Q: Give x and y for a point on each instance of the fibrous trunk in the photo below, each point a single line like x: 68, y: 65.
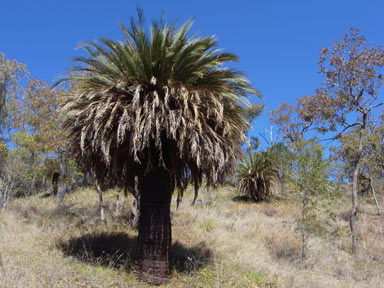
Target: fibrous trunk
x: 152, y: 259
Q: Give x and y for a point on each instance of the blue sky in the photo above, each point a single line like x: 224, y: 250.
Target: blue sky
x: 278, y: 42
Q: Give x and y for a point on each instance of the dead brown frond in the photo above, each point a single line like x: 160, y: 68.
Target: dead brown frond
x: 165, y: 98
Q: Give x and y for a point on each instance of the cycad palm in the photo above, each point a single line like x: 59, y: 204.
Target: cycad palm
x: 162, y: 109
x: 256, y: 176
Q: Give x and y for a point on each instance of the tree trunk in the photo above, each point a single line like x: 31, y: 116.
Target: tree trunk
x: 55, y: 182
x: 282, y: 183
x: 364, y: 194
x: 135, y: 211
x: 62, y: 189
x: 101, y: 201
x: 98, y: 180
x: 374, y: 196
x: 353, y: 219
x: 152, y: 259
x: 303, y: 228
x: 117, y: 207
x: 32, y: 189
x: 356, y: 170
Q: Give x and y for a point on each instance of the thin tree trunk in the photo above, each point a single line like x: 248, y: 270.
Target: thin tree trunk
x: 31, y: 191
x: 152, y: 259
x: 364, y: 201
x: 353, y: 219
x: 2, y: 187
x: 303, y: 231
x: 117, y: 208
x: 101, y: 201
x: 356, y: 170
x: 62, y: 189
x: 135, y: 211
x: 374, y: 196
x: 7, y: 194
x: 99, y: 183
x: 43, y: 185
x: 55, y: 182
x: 282, y: 183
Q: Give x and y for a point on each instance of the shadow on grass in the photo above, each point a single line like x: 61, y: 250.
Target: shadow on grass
x: 248, y: 199
x: 243, y: 198
x: 117, y: 249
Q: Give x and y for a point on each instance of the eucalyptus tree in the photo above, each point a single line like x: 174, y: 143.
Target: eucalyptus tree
x: 371, y: 170
x: 11, y: 72
x: 291, y: 125
x: 38, y: 135
x: 348, y: 99
x: 161, y: 109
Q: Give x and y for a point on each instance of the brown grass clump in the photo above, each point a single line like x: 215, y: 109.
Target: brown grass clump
x: 283, y: 245
x: 371, y: 231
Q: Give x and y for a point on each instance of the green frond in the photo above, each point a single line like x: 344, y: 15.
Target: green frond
x: 257, y: 176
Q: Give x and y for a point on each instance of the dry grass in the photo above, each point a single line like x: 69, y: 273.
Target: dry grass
x: 217, y: 243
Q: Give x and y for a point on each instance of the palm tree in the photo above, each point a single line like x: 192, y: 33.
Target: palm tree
x: 160, y: 109
x: 256, y: 176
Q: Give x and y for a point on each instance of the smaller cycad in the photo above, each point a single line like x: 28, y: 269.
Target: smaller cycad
x: 256, y: 176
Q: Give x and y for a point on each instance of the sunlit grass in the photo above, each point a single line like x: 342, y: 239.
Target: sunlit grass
x: 217, y: 242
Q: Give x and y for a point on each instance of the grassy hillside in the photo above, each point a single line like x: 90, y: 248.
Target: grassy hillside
x: 218, y: 242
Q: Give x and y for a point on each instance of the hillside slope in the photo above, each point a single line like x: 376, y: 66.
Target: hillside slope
x: 218, y: 242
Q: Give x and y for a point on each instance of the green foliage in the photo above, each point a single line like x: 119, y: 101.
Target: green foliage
x: 3, y: 150
x: 282, y: 158
x: 11, y: 72
x: 310, y: 178
x: 256, y: 176
x: 310, y: 170
x: 36, y: 136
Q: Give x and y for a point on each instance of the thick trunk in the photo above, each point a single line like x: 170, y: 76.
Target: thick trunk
x: 152, y: 259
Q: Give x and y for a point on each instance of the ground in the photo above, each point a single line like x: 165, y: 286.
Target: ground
x: 218, y: 242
